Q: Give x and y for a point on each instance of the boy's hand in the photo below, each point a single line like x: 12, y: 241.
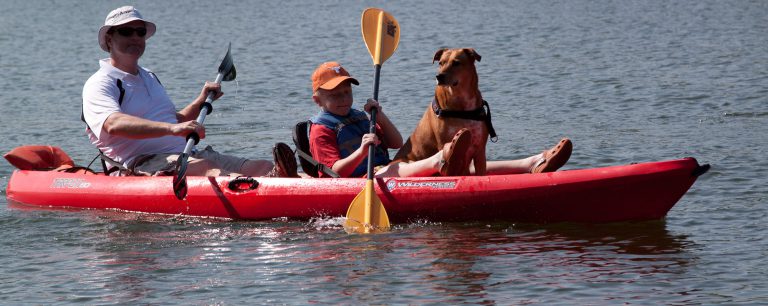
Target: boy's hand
x: 369, y: 139
x: 370, y: 104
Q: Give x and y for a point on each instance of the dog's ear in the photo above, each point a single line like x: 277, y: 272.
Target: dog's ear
x: 438, y: 54
x: 473, y: 53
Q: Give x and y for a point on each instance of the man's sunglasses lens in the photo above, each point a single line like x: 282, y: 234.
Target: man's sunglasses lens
x: 127, y: 32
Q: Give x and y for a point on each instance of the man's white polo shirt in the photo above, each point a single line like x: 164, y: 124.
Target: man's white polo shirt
x: 144, y: 97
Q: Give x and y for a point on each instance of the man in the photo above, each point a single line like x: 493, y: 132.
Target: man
x: 132, y: 120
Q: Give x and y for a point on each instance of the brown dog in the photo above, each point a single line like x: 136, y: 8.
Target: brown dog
x: 457, y: 104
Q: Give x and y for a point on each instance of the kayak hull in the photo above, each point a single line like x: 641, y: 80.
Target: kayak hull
x: 644, y: 191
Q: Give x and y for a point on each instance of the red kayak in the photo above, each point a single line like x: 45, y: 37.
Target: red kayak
x: 642, y: 191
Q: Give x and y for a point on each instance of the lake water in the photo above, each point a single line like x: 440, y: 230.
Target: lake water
x: 627, y: 81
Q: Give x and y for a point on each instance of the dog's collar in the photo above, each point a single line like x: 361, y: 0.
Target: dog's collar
x: 482, y: 113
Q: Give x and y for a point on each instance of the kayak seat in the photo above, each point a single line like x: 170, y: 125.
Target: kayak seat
x: 43, y: 158
x: 110, y: 166
x: 301, y: 139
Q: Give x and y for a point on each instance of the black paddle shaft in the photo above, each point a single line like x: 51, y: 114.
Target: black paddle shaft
x: 372, y: 128
x: 180, y: 180
x: 226, y: 73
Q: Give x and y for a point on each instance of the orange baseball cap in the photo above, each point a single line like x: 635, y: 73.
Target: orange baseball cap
x: 329, y: 75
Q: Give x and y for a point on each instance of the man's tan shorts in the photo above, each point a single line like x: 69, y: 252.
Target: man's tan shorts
x: 165, y: 164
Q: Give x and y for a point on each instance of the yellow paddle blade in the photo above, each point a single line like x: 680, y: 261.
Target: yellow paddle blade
x: 366, y: 214
x: 381, y: 34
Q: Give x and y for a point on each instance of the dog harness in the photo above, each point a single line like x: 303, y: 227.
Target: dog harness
x: 482, y: 113
x: 349, y: 131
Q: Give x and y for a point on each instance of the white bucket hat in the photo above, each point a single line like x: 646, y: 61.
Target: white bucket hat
x: 120, y: 16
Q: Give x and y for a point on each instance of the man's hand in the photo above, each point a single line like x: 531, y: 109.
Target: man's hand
x: 211, y: 87
x: 185, y: 128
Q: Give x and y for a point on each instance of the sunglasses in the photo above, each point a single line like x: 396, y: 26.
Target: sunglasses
x: 128, y: 31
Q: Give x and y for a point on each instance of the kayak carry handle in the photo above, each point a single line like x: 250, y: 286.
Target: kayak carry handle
x: 237, y: 184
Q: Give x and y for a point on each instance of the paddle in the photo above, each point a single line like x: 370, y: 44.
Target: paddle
x: 226, y: 73
x: 381, y: 34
